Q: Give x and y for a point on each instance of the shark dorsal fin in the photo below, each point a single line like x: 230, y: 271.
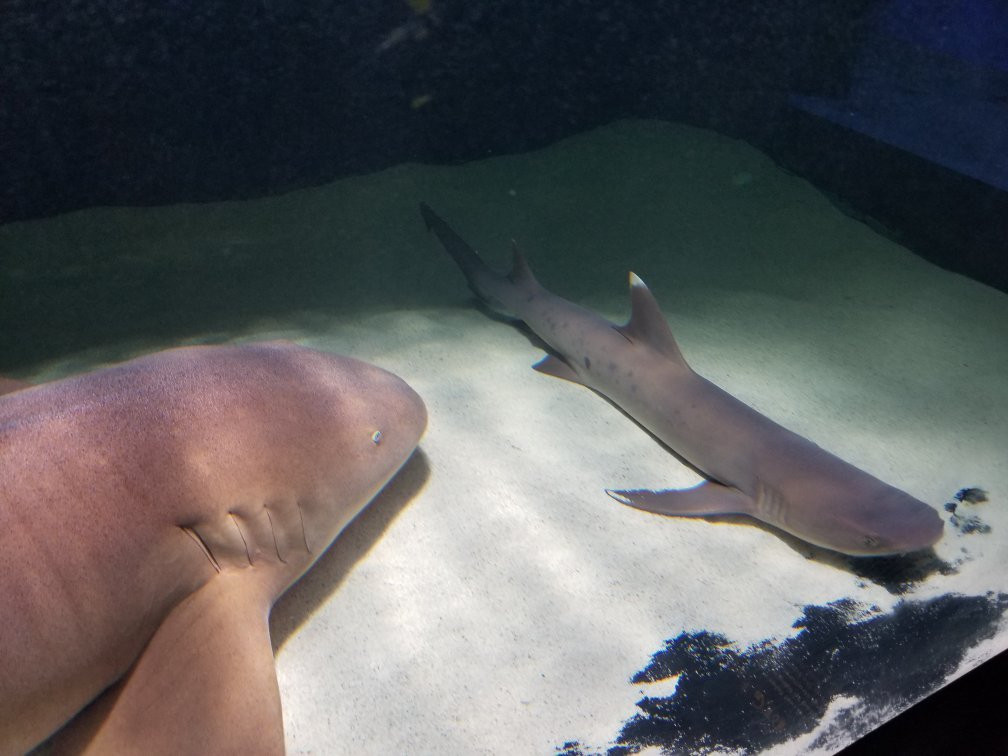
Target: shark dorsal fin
x: 647, y: 325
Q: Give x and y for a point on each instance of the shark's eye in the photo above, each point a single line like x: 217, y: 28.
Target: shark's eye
x: 376, y: 437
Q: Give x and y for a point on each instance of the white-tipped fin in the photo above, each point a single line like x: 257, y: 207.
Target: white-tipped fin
x: 707, y: 498
x: 647, y: 325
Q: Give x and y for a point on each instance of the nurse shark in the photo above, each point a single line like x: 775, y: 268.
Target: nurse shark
x: 754, y: 466
x: 150, y: 515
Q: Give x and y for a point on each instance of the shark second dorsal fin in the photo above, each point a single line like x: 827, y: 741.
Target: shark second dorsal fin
x: 521, y: 273
x: 647, y: 325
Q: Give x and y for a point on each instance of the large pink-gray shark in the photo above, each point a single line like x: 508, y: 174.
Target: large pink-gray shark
x: 150, y: 515
x: 754, y: 466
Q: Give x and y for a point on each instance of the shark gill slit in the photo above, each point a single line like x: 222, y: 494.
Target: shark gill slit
x: 198, y: 539
x: 273, y: 532
x: 234, y: 519
x: 304, y: 533
x: 770, y: 503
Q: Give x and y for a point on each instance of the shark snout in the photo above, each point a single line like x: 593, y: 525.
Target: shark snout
x: 389, y: 419
x: 925, y: 529
x: 901, y: 524
x: 398, y: 411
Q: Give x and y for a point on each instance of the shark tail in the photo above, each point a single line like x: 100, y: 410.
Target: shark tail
x: 496, y: 291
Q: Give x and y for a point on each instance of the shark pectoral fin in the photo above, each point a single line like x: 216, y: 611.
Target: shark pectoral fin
x: 552, y: 365
x: 708, y: 498
x: 205, y: 683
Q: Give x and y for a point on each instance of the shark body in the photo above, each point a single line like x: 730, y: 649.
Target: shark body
x: 150, y: 515
x: 754, y: 466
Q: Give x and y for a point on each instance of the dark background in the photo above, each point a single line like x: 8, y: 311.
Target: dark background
x: 112, y: 102
x: 116, y: 102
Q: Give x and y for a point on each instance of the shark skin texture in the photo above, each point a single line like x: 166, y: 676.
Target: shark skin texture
x: 754, y: 466
x: 10, y: 385
x: 151, y: 514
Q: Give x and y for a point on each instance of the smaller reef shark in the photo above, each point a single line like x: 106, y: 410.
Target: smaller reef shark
x: 754, y: 466
x: 150, y: 515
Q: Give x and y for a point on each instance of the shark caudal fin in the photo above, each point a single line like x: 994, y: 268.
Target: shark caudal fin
x: 465, y: 256
x: 647, y: 325
x: 496, y: 291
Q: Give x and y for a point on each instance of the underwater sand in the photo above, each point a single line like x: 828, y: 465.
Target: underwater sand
x: 494, y: 599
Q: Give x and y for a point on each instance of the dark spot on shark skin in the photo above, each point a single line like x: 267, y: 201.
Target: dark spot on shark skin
x: 750, y: 699
x: 587, y: 363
